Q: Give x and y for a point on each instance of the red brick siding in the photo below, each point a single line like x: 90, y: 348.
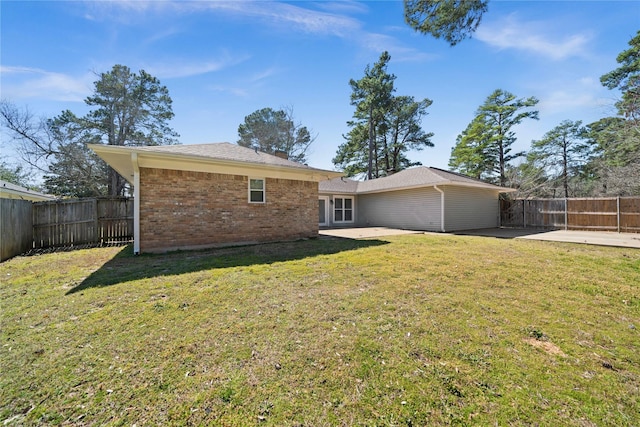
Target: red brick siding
x: 182, y: 209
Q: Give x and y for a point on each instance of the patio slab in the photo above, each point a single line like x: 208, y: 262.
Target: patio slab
x: 623, y: 240
x: 365, y: 232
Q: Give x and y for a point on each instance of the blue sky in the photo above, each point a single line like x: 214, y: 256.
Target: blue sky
x: 223, y: 60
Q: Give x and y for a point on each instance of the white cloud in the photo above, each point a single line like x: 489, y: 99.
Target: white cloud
x: 264, y: 74
x: 565, y: 100
x: 571, y: 95
x: 380, y: 42
x: 305, y: 20
x: 24, y: 82
x: 241, y: 92
x: 511, y: 33
x: 247, y: 85
x: 333, y: 20
x: 162, y: 34
x: 185, y: 69
x: 590, y: 83
x: 343, y: 6
x: 120, y: 11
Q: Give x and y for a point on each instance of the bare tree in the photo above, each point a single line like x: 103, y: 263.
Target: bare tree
x: 127, y: 109
x: 30, y: 134
x: 57, y: 149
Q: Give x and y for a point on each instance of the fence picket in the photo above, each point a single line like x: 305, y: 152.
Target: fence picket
x: 16, y: 231
x: 82, y: 221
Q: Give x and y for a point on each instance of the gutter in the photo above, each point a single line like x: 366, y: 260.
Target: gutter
x: 435, y: 187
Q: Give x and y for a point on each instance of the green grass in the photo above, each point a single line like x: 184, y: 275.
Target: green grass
x: 407, y: 331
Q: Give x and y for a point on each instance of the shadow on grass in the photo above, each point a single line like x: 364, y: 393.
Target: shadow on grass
x: 502, y: 232
x: 125, y: 266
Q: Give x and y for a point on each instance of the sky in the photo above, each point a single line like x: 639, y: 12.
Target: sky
x: 221, y: 61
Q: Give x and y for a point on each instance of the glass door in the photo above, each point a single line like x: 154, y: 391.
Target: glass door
x: 323, y: 214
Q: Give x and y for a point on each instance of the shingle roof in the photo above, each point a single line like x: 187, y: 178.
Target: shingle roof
x: 224, y: 151
x: 421, y: 176
x: 339, y: 185
x: 222, y: 157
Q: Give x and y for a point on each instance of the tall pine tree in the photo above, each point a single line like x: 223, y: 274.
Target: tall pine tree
x: 486, y: 143
x: 385, y: 127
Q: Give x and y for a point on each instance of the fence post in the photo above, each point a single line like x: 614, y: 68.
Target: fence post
x: 524, y: 213
x: 618, y: 211
x: 96, y: 222
x: 566, y: 214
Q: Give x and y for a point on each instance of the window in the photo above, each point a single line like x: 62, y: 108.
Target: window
x: 256, y: 190
x: 342, y: 209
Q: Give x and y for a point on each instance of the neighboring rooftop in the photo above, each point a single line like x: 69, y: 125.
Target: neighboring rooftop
x: 13, y: 191
x: 420, y: 176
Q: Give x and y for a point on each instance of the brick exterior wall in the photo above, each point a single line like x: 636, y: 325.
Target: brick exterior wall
x: 187, y: 210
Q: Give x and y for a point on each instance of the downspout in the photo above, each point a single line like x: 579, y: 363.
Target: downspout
x: 136, y: 203
x: 441, y: 207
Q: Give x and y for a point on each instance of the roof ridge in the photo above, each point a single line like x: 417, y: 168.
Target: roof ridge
x: 459, y: 174
x: 417, y: 176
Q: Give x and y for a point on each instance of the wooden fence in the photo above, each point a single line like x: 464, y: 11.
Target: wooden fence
x: 16, y: 229
x: 82, y: 221
x: 101, y: 221
x: 618, y: 214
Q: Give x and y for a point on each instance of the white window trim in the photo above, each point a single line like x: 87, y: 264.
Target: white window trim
x: 353, y: 209
x: 264, y: 190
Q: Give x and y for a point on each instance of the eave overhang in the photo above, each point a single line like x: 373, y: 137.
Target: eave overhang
x: 121, y: 159
x: 443, y: 183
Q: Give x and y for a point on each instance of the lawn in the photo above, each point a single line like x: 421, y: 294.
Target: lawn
x: 403, y: 331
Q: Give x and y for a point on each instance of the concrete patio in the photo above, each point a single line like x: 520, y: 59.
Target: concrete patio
x: 624, y: 240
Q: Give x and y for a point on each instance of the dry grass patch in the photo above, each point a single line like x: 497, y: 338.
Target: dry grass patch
x: 409, y: 330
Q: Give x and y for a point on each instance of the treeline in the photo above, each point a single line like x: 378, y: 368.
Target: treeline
x: 126, y: 108
x: 571, y: 160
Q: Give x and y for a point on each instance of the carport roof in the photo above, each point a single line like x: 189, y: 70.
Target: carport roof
x: 421, y: 176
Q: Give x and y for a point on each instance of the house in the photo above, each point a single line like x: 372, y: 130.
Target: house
x: 206, y: 195
x: 420, y: 198
x: 13, y: 191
